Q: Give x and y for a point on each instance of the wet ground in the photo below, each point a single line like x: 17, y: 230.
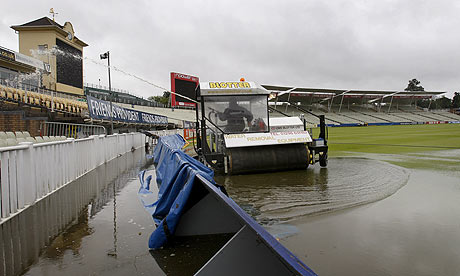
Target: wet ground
x: 416, y: 231
x: 284, y: 196
x: 104, y: 228
x: 359, y: 216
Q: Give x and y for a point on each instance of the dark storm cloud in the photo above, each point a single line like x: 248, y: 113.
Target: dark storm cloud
x: 335, y: 44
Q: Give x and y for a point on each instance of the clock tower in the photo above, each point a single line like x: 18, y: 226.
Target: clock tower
x: 56, y: 45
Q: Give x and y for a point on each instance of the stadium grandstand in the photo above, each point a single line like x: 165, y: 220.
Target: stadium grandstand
x: 356, y: 107
x: 118, y: 96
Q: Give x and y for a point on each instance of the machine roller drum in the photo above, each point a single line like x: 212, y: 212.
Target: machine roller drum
x: 267, y: 158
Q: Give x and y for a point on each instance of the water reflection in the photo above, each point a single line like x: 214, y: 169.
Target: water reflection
x: 186, y: 255
x: 282, y: 196
x: 59, y: 222
x: 71, y: 238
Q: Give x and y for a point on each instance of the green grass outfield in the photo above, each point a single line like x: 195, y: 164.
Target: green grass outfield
x: 393, y: 139
x: 410, y: 146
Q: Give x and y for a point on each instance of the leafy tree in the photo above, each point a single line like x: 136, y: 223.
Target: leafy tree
x: 442, y: 103
x: 414, y: 86
x: 456, y: 100
x: 161, y: 99
x: 424, y: 103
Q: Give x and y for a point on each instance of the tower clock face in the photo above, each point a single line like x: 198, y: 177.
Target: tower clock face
x: 69, y: 36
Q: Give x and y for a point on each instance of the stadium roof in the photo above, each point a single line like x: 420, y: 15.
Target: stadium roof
x: 310, y: 96
x: 321, y: 92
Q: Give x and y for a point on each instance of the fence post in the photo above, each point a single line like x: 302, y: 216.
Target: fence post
x: 13, y: 181
x: 72, y: 159
x: 5, y: 189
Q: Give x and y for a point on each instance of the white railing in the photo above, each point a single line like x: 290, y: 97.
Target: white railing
x: 167, y: 132
x: 70, y: 130
x: 29, y: 172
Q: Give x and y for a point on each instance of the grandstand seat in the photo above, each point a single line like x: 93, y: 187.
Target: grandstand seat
x: 20, y: 140
x: 20, y: 94
x: 19, y: 134
x: 36, y: 98
x: 58, y: 103
x: 63, y: 137
x: 46, y: 139
x: 3, y: 135
x: 39, y: 139
x: 48, y: 100
x: 26, y: 134
x: 3, y: 143
x: 9, y: 93
x: 16, y: 95
x: 31, y: 139
x: 10, y: 134
x: 3, y: 91
x: 11, y: 142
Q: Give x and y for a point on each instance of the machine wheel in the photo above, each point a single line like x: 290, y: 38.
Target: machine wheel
x: 323, y: 160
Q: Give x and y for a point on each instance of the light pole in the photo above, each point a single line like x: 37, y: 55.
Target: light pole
x: 106, y: 55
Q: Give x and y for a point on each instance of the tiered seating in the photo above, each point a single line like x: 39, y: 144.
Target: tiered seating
x: 342, y: 119
x: 364, y: 117
x: 57, y: 103
x: 9, y: 138
x: 388, y: 117
x: 292, y: 111
x: 412, y: 117
x: 432, y: 116
x: 450, y: 116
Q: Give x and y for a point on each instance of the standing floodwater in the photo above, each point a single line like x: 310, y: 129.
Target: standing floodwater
x: 410, y: 225
x: 405, y: 222
x: 277, y: 197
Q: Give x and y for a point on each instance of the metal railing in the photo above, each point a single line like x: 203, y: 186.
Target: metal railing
x: 102, y: 87
x: 29, y: 172
x: 33, y: 88
x: 70, y: 130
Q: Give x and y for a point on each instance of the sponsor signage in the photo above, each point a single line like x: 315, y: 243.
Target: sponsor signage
x: 241, y: 84
x: 32, y: 62
x: 189, y: 125
x: 283, y: 124
x: 100, y: 110
x: 18, y: 57
x: 231, y: 88
x: 5, y: 54
x: 264, y: 139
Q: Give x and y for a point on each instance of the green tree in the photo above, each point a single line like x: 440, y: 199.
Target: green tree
x: 424, y: 103
x: 442, y: 103
x: 456, y: 100
x: 161, y: 99
x: 414, y: 86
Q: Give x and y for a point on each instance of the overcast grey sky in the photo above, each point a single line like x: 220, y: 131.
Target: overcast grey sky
x: 311, y: 43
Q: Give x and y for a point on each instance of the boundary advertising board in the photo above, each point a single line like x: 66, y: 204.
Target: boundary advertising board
x: 100, y: 110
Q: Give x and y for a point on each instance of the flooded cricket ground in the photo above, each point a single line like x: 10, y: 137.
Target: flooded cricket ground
x: 358, y: 216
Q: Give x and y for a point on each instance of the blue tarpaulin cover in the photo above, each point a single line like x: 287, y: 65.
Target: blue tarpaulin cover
x: 175, y: 175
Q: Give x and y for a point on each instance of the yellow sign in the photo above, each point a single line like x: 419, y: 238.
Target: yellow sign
x: 7, y: 55
x: 229, y: 85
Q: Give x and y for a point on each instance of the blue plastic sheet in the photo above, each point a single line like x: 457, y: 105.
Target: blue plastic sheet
x: 175, y: 175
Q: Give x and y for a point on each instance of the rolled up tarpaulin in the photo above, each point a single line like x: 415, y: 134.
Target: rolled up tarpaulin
x: 176, y: 174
